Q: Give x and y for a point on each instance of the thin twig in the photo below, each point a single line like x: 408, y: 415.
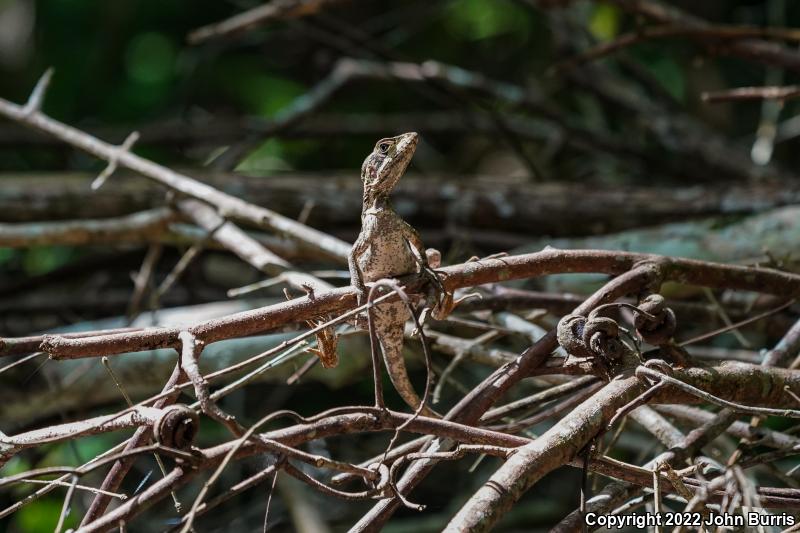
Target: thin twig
x: 60, y: 483
x: 694, y: 391
x: 786, y: 92
x: 269, y: 500
x: 190, y: 354
x: 247, y: 20
x: 65, y: 508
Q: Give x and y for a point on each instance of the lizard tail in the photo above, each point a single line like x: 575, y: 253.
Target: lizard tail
x: 391, y: 341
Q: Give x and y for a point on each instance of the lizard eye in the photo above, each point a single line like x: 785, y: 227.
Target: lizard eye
x: 384, y: 148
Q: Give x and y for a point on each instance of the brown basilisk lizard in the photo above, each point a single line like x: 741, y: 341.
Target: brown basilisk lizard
x: 388, y: 247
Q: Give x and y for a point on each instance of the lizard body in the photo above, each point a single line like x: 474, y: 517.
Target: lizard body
x: 387, y: 247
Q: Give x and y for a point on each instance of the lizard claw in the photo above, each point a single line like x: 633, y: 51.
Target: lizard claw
x: 447, y: 303
x: 423, y: 319
x: 362, y: 294
x: 439, y: 294
x: 444, y: 305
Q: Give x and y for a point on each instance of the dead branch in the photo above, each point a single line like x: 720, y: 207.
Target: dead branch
x: 531, y: 462
x: 458, y: 276
x: 232, y: 238
x: 460, y: 202
x: 480, y: 399
x: 143, y: 227
x: 247, y: 20
x: 566, y: 439
x: 753, y: 93
x: 710, y: 35
x: 229, y: 206
x: 614, y: 494
x: 753, y: 49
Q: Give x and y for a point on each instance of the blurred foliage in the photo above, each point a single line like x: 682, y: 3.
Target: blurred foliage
x: 604, y: 22
x: 480, y: 19
x: 126, y: 63
x: 42, y: 259
x: 43, y: 514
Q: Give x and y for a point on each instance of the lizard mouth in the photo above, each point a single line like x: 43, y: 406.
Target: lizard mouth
x: 405, y: 148
x: 404, y: 151
x: 408, y: 141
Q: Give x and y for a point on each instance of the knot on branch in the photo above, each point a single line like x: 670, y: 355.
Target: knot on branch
x: 601, y: 335
x: 654, y: 321
x: 651, y: 372
x: 590, y: 336
x: 52, y: 344
x: 569, y: 333
x: 177, y: 427
x: 381, y: 485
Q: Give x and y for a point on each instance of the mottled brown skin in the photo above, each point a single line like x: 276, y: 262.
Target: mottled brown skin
x: 387, y: 247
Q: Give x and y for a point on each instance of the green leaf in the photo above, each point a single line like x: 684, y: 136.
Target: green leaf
x: 268, y: 157
x: 42, y: 515
x: 15, y: 466
x: 77, y: 451
x: 267, y: 95
x: 150, y: 59
x: 604, y: 22
x: 6, y: 254
x: 481, y: 19
x: 43, y: 259
x: 669, y: 73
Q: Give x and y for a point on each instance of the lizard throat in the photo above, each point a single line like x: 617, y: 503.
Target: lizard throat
x: 374, y: 201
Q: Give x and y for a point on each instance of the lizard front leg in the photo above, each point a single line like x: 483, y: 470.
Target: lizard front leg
x: 356, y: 276
x: 390, y: 323
x: 415, y: 244
x: 429, y: 260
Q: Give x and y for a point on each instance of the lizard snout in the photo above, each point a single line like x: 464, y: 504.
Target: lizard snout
x: 407, y: 140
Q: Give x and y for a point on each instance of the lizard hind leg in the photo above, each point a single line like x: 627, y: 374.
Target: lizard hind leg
x: 391, y: 341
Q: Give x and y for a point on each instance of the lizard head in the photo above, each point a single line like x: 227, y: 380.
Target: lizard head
x: 385, y: 165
